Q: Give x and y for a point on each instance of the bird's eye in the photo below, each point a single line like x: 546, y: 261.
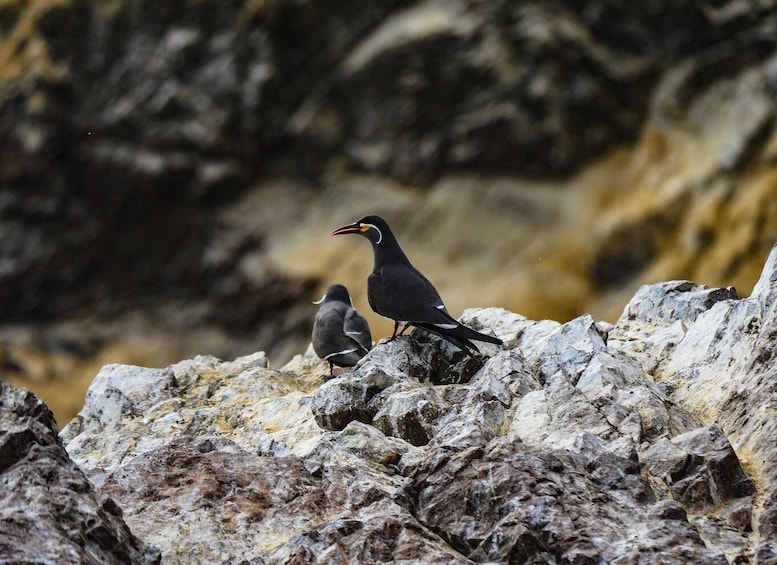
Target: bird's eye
x: 364, y: 227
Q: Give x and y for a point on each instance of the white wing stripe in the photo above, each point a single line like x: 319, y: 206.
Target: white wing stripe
x: 447, y: 326
x: 345, y: 352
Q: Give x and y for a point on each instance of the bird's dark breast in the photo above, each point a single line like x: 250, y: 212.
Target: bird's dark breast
x: 386, y: 300
x: 403, y: 294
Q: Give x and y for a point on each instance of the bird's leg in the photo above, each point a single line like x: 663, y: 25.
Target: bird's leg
x: 394, y: 333
x: 331, y: 369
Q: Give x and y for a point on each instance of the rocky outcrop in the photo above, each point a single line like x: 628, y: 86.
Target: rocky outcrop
x: 49, y: 512
x: 172, y: 171
x: 645, y: 441
x: 733, y: 338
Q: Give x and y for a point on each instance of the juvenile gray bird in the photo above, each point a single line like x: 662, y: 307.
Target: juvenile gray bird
x: 341, y: 336
x: 397, y: 290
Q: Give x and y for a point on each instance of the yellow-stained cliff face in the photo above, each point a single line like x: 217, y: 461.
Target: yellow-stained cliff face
x: 170, y: 173
x: 694, y: 198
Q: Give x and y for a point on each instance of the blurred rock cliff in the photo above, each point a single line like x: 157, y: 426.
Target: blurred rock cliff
x: 170, y: 171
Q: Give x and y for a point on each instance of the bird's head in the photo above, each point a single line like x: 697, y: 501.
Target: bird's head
x: 336, y: 292
x: 373, y: 228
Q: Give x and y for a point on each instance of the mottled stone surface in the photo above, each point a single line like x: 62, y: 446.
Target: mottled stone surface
x: 699, y: 468
x: 49, y: 511
x: 582, y: 442
x: 719, y: 367
x: 516, y: 503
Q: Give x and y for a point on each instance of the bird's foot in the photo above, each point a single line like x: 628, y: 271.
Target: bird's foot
x: 388, y: 339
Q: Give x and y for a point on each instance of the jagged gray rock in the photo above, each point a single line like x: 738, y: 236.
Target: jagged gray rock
x: 716, y: 364
x: 510, y: 502
x: 699, y: 468
x: 49, y: 512
x: 580, y: 442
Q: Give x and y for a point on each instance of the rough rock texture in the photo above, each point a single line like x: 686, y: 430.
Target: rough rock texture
x: 647, y: 441
x: 49, y: 512
x: 716, y: 362
x: 168, y: 172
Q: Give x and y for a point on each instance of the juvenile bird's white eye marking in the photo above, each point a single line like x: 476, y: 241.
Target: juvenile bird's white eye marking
x: 320, y: 301
x: 345, y: 352
x: 440, y: 306
x: 353, y: 333
x: 447, y: 326
x: 377, y: 229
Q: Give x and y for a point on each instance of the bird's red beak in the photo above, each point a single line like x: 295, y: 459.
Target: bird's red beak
x: 355, y: 227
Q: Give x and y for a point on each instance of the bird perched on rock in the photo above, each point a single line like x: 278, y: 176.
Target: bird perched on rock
x: 341, y: 335
x: 397, y: 290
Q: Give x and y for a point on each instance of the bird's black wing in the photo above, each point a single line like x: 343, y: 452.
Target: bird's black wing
x: 403, y: 294
x: 357, y: 328
x: 329, y: 339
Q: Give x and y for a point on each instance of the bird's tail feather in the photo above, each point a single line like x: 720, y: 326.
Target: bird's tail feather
x: 463, y: 331
x: 460, y: 336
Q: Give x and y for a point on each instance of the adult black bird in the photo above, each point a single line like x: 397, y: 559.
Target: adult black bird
x: 341, y: 336
x: 397, y: 290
